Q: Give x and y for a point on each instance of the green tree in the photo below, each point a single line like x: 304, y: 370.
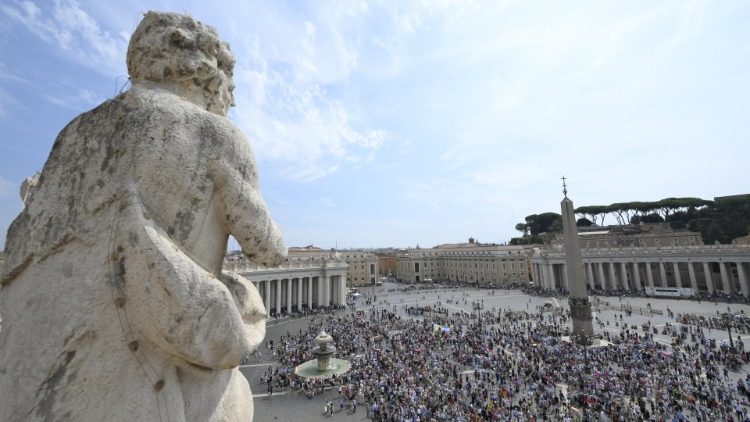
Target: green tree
x: 540, y: 223
x: 556, y: 226
x: 523, y: 228
x: 714, y: 233
x: 651, y: 218
x: 596, y: 212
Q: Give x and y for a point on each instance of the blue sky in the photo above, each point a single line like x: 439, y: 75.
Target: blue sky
x: 390, y: 123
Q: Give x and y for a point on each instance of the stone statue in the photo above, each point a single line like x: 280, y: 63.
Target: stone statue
x: 113, y: 299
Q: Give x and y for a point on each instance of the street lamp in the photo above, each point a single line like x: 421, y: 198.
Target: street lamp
x: 728, y: 318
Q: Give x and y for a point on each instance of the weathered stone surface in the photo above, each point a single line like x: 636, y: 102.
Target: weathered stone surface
x: 113, y: 299
x: 580, y: 307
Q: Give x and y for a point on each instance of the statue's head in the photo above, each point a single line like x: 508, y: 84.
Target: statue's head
x: 174, y: 48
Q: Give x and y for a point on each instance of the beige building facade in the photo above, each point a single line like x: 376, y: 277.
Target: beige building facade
x: 363, y: 267
x: 295, y: 285
x: 471, y: 262
x: 387, y: 264
x: 643, y: 235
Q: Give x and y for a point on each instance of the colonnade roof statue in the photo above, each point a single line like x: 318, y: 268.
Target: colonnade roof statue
x: 113, y: 299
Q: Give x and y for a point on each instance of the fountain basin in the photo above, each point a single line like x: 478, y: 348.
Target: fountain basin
x: 310, y: 369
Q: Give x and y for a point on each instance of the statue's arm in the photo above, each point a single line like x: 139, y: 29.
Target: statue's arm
x: 245, y: 212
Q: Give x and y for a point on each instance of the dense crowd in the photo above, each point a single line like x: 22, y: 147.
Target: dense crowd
x: 514, y: 366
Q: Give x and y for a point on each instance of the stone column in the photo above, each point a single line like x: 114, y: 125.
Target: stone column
x: 552, y: 281
x: 278, y: 297
x: 323, y: 285
x: 624, y: 276
x: 542, y: 275
x: 334, y: 290
x: 691, y: 274
x: 743, y: 279
x: 649, y: 275
x: 539, y: 275
x: 565, y: 278
x: 549, y: 284
x: 677, y: 275
x: 590, y: 273
x: 637, y: 276
x: 342, y: 289
x: 612, y: 276
x: 663, y: 274
x: 299, y: 294
x: 267, y: 296
x: 288, y: 295
x: 540, y: 270
x: 309, y: 292
x: 725, y: 282
x: 709, y: 278
x: 602, y: 280
x: 533, y: 274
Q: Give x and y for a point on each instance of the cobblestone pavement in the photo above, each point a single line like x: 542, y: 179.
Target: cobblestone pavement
x: 293, y: 406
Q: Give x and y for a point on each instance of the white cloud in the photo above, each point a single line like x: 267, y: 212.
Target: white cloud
x: 8, y: 101
x: 7, y: 74
x: 68, y: 27
x: 291, y: 119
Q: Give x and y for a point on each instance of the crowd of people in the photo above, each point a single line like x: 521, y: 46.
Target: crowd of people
x: 516, y: 366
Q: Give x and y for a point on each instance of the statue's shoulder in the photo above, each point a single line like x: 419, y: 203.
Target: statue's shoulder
x: 156, y: 102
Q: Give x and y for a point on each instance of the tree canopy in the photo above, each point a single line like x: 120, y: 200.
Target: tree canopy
x: 721, y: 221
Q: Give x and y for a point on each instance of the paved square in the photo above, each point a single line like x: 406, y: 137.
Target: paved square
x: 291, y: 405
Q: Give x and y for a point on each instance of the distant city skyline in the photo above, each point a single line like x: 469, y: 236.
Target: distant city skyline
x: 380, y: 124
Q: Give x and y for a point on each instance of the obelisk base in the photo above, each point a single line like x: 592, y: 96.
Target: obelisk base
x: 580, y: 313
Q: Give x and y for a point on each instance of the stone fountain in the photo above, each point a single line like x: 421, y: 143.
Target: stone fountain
x: 324, y: 365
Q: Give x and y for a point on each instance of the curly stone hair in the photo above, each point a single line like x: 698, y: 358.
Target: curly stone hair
x: 174, y: 47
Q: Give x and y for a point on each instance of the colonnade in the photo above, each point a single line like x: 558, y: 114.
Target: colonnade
x: 709, y: 274
x: 284, y: 295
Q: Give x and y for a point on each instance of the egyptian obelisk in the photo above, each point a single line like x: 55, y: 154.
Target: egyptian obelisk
x: 580, y: 307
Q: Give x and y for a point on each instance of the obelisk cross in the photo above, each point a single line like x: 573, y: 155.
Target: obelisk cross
x: 565, y: 187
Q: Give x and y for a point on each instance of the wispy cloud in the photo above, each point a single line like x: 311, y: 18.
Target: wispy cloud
x: 8, y: 101
x: 289, y: 115
x: 9, y: 75
x: 299, y: 127
x: 81, y: 100
x: 70, y: 28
